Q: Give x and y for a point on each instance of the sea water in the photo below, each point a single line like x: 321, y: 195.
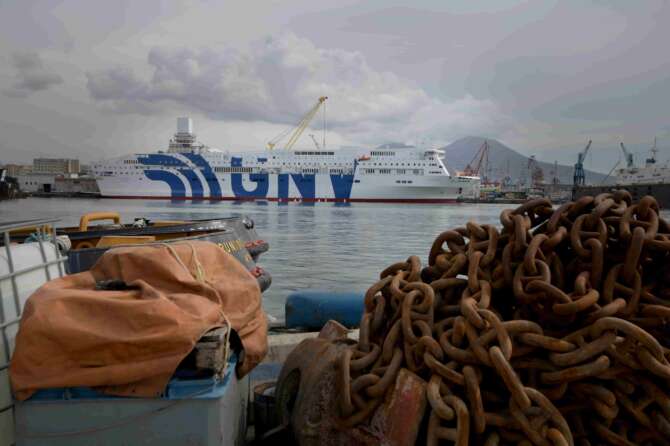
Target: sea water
x: 321, y: 246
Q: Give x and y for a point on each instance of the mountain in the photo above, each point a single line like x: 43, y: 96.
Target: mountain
x: 504, y: 160
x: 393, y: 145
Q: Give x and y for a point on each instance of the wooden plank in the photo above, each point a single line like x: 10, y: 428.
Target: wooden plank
x: 210, y: 351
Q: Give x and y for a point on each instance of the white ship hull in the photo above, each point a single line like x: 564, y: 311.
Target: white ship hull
x: 442, y: 189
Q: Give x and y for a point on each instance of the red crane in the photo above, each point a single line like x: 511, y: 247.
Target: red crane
x: 481, y: 159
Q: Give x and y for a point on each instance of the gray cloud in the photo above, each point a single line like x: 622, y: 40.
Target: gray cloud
x: 221, y: 85
x: 560, y: 72
x: 31, y: 75
x: 544, y: 77
x: 276, y: 79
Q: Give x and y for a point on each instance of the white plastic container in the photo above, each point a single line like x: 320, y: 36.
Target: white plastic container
x: 35, y: 263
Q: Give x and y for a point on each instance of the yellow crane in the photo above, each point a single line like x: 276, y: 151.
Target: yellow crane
x: 299, y: 129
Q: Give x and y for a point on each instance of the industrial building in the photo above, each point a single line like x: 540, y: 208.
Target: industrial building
x: 55, y: 165
x: 36, y: 181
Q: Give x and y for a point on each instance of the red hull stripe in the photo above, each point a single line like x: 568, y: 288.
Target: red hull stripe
x: 297, y: 200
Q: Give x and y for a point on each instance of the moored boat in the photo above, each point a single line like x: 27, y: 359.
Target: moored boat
x: 235, y: 235
x: 88, y: 236
x: 651, y: 179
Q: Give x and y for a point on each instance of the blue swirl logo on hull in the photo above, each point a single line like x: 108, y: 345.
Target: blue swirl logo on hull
x: 305, y: 183
x: 177, y: 188
x: 207, y: 172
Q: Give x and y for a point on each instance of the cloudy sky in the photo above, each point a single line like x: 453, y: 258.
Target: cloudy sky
x: 94, y: 79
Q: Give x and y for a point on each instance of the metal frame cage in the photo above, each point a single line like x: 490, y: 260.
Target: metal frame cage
x: 11, y: 306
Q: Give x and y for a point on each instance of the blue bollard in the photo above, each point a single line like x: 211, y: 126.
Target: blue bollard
x: 312, y: 309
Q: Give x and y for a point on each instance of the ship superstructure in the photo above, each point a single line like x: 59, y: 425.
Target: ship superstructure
x: 189, y: 170
x: 651, y: 173
x: 651, y: 179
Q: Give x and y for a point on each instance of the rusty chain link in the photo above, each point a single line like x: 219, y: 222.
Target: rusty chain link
x: 553, y: 330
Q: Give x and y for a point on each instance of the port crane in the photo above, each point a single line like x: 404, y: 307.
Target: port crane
x: 316, y: 143
x: 298, y: 129
x: 654, y: 151
x: 627, y: 156
x: 479, y: 161
x: 610, y: 172
x: 579, y: 178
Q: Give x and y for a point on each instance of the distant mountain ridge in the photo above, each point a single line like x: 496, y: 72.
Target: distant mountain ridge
x: 502, y: 160
x: 394, y: 145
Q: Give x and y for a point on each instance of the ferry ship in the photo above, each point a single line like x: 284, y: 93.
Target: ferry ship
x: 192, y: 171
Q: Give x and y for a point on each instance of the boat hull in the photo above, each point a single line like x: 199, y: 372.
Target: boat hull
x: 294, y: 199
x: 661, y: 192
x: 83, y: 259
x: 243, y: 227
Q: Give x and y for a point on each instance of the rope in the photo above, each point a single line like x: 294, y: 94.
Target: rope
x: 199, y: 271
x: 200, y: 276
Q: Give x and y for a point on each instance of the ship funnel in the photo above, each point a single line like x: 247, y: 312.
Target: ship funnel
x: 184, y: 125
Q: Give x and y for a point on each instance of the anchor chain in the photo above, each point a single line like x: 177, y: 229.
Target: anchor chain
x: 552, y: 330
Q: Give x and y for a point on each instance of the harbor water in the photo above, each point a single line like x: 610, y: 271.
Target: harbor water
x: 321, y: 246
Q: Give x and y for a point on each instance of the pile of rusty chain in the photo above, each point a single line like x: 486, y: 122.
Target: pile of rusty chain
x: 550, y: 331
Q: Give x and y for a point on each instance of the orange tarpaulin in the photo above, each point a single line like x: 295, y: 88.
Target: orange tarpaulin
x: 130, y: 342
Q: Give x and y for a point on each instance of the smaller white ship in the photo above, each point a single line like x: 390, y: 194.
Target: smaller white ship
x: 651, y: 179
x: 651, y: 173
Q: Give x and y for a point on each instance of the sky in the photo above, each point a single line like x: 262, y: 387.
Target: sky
x: 96, y: 79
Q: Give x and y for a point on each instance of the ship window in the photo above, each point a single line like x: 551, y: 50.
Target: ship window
x: 233, y: 169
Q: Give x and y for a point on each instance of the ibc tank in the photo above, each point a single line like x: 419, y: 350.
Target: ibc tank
x: 24, y: 256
